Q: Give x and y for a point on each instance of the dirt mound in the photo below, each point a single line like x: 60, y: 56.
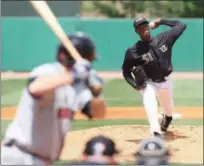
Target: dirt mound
x: 185, y: 142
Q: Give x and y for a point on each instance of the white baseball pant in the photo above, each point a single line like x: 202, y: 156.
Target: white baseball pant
x: 164, y: 93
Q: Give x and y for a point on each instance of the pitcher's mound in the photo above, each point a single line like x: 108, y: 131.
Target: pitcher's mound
x: 184, y: 142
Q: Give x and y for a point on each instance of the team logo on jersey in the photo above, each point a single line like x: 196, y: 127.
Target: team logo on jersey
x: 163, y: 48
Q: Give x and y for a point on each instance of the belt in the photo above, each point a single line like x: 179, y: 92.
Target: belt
x: 13, y: 142
x: 158, y: 80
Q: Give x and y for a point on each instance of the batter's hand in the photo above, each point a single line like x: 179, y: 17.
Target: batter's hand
x: 155, y: 23
x: 81, y: 69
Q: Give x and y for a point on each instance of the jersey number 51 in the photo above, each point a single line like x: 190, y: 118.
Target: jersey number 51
x: 147, y: 58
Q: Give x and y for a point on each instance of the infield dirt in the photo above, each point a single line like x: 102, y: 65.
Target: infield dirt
x: 184, y: 142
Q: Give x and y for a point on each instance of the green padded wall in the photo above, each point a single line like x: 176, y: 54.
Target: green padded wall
x: 27, y: 42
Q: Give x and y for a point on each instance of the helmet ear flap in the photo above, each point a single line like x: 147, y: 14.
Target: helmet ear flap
x: 61, y: 57
x: 64, y: 57
x: 66, y: 60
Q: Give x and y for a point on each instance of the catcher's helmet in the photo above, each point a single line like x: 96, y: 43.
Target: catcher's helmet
x: 152, y: 151
x: 84, y: 45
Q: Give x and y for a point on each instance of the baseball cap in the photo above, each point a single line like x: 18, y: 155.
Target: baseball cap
x: 100, y: 145
x: 139, y: 21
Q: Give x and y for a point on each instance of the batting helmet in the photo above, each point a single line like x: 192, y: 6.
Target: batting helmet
x: 83, y: 44
x: 101, y: 145
x: 152, y: 151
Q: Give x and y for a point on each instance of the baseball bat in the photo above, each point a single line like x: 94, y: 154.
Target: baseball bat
x: 45, y: 12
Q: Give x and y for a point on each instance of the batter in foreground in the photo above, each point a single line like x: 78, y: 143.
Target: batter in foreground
x: 45, y: 111
x: 147, y: 67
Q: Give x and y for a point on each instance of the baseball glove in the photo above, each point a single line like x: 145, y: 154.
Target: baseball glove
x: 140, y: 77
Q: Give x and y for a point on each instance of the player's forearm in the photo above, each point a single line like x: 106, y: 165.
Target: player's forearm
x: 44, y: 84
x: 176, y: 30
x: 96, y: 90
x: 173, y: 23
x: 170, y: 23
x: 129, y: 79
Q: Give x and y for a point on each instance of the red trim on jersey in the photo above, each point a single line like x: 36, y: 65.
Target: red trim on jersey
x: 64, y: 113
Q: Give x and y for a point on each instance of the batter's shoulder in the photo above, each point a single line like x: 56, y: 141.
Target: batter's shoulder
x: 46, y: 68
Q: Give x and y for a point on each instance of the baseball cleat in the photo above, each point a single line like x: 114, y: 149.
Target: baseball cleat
x: 166, y: 120
x: 156, y: 134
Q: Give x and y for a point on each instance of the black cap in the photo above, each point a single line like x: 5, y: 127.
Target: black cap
x: 153, y: 146
x: 140, y: 21
x: 100, y: 145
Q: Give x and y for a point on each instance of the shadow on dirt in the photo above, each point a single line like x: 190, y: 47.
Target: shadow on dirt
x: 168, y: 136
x: 136, y: 141
x: 171, y: 136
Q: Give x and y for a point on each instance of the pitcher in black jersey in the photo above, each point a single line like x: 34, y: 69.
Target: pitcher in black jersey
x: 154, y: 56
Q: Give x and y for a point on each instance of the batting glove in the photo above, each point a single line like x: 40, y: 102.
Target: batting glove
x: 81, y: 70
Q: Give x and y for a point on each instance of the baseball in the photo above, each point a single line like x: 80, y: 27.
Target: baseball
x: 152, y: 24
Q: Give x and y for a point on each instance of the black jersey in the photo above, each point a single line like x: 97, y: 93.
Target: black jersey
x: 154, y: 55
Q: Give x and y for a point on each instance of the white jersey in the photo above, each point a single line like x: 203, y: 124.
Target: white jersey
x: 83, y: 92
x: 41, y: 124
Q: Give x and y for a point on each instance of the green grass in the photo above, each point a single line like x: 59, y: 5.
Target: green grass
x: 118, y: 93
x: 11, y: 91
x: 186, y: 93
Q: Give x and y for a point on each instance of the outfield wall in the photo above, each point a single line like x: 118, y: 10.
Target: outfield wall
x: 27, y: 42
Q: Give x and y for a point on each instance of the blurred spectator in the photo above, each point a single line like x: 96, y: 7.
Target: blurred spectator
x: 152, y: 151
x: 99, y: 150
